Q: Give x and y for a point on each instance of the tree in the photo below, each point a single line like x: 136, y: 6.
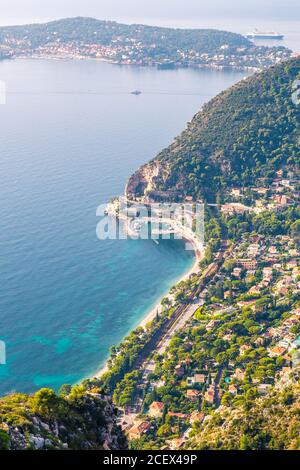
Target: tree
x: 4, y: 440
x: 77, y: 394
x: 45, y: 402
x: 65, y: 390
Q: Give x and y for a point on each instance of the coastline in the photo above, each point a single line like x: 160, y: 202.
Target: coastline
x: 233, y: 68
x: 150, y: 314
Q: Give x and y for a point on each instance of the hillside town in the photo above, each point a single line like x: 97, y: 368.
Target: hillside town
x: 165, y: 48
x: 136, y: 53
x: 243, y: 336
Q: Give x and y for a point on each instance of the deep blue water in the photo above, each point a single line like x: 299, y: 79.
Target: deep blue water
x: 71, y: 134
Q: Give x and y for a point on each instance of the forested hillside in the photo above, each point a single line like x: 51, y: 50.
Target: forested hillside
x: 247, y: 132
x: 270, y: 423
x: 93, y: 31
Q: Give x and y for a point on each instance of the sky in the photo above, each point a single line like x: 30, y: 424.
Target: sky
x: 168, y: 12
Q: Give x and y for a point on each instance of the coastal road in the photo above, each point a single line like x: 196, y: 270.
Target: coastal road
x: 149, y: 365
x: 178, y: 325
x: 183, y: 315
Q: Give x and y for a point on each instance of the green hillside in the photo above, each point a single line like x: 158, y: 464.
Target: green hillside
x: 270, y: 423
x: 77, y: 419
x: 246, y: 132
x: 93, y: 31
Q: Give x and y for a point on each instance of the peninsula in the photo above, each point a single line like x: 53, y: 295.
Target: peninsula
x: 138, y: 45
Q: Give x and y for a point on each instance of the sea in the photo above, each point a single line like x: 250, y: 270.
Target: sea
x: 71, y: 135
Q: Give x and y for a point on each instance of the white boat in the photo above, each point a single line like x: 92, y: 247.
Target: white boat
x: 264, y: 35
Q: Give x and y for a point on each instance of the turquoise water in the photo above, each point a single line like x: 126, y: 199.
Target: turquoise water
x: 71, y: 134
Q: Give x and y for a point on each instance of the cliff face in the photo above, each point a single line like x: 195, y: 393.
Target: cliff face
x: 144, y: 180
x: 82, y: 420
x: 152, y: 182
x: 245, y: 133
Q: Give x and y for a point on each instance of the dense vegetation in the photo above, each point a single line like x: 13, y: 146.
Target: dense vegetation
x: 77, y: 418
x: 241, y: 419
x: 245, y: 133
x: 270, y: 423
x: 92, y: 31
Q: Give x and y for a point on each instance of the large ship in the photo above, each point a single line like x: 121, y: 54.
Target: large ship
x: 262, y: 35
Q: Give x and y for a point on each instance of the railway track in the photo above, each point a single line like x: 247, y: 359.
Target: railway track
x: 164, y: 331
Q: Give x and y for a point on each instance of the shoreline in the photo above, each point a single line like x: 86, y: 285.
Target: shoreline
x: 219, y: 68
x: 150, y: 314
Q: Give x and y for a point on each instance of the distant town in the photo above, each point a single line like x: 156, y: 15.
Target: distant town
x: 82, y: 38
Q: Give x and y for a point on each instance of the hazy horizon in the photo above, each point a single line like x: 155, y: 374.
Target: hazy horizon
x: 161, y: 12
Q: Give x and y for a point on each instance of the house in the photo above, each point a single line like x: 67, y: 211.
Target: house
x: 199, y: 378
x: 277, y: 351
x: 263, y: 389
x: 282, y: 290
x: 255, y: 290
x: 196, y: 416
x: 261, y: 191
x: 239, y: 374
x: 247, y: 263
x: 282, y: 286
x: 210, y: 394
x: 156, y: 409
x: 268, y: 273
x: 234, y: 208
x: 237, y: 272
x: 279, y: 173
x: 281, y: 200
x: 196, y: 379
x: 233, y: 389
x: 236, y: 192
x: 253, y: 250
x: 228, y: 337
x: 291, y: 264
x: 138, y: 430
x: 284, y: 343
x: 192, y: 395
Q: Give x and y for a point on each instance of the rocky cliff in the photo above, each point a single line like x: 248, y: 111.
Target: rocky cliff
x: 78, y: 420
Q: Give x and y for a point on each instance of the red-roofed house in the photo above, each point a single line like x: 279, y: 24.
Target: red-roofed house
x: 192, y: 394
x: 156, y: 409
x: 138, y: 430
